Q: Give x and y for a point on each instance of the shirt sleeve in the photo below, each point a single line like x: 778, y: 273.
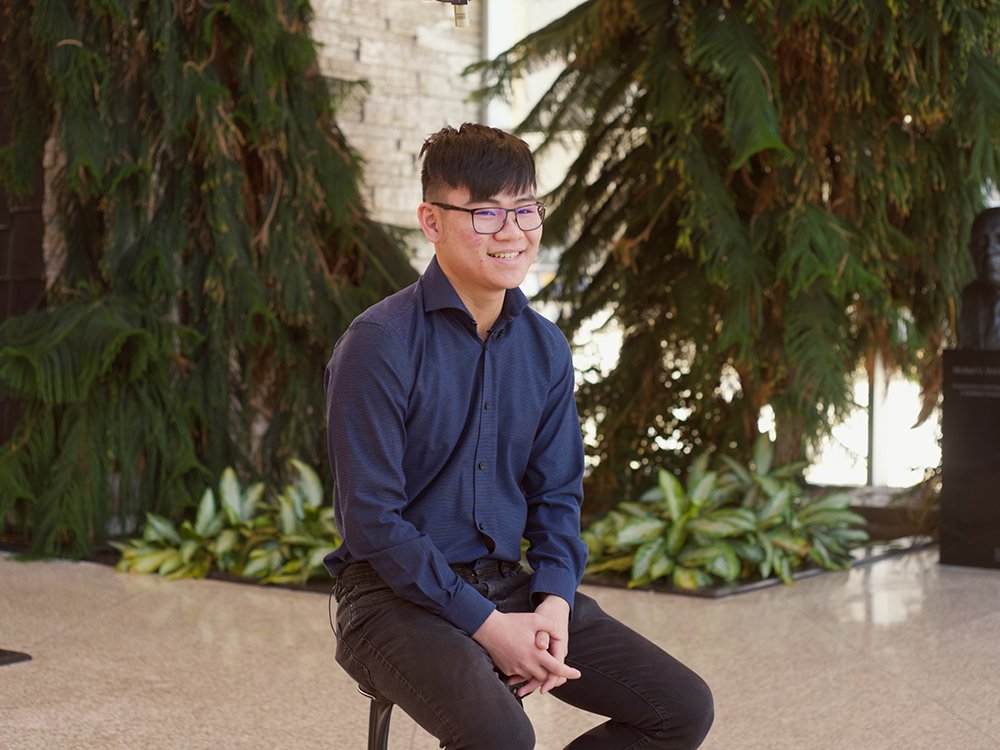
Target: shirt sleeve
x: 553, y: 487
x: 367, y: 386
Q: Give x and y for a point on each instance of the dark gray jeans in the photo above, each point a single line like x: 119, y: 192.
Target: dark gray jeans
x: 447, y: 683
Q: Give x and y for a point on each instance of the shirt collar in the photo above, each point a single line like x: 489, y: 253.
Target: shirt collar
x: 439, y: 294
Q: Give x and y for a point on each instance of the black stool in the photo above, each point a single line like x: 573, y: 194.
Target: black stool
x: 378, y: 718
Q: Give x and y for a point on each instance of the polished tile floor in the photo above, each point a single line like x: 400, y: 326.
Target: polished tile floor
x: 901, y: 653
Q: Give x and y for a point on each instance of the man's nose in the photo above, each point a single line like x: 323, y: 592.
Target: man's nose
x: 509, y: 225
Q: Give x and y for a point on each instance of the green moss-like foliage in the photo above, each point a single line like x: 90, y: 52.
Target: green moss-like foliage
x: 216, y: 247
x: 766, y: 195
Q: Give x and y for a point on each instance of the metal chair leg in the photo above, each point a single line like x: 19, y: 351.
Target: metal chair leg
x: 379, y: 714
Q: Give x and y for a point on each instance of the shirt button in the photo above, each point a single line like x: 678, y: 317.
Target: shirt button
x: 482, y: 526
x: 486, y: 406
x: 482, y: 465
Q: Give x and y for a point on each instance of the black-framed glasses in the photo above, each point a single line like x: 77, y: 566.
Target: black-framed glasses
x: 491, y: 220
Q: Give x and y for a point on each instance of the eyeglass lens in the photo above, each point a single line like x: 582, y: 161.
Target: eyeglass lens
x: 491, y: 220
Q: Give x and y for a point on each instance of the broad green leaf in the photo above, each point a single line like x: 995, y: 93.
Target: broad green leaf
x: 727, y: 491
x: 770, y: 485
x: 835, y: 501
x: 696, y: 472
x: 790, y: 543
x: 289, y: 519
x: 820, y: 555
x: 646, y: 555
x: 151, y: 561
x: 616, y: 564
x: 652, y: 495
x: 170, y: 564
x: 790, y: 471
x: 231, y: 497
x: 318, y: 554
x: 751, y: 498
x: 184, y: 571
x: 294, y: 495
x: 726, y: 565
x: 767, y: 564
x: 226, y: 542
x: 831, y: 518
x: 163, y: 529
x: 214, y: 526
x: 674, y: 496
x: 850, y: 537
x: 725, y: 522
x: 690, y: 579
x: 189, y: 549
x: 703, y: 489
x: 739, y: 471
x: 676, y: 536
x: 257, y: 567
x: 694, y: 557
x: 592, y: 540
x: 763, y: 455
x: 206, y: 512
x: 775, y: 505
x: 297, y: 540
x: 783, y: 567
x: 749, y: 551
x: 309, y: 483
x: 251, y: 499
x: 639, y: 530
x: 661, y: 566
x: 638, y: 510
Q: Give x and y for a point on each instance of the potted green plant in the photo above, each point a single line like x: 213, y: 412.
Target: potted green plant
x: 725, y: 523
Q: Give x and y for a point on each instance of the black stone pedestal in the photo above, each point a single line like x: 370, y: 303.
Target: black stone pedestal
x: 970, y: 448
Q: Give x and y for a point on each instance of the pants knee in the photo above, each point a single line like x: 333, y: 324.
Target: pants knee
x: 499, y: 731
x: 697, y: 715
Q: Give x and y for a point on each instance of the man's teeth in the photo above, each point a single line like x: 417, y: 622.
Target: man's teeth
x: 504, y: 256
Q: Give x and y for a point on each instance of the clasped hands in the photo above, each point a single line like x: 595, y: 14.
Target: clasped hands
x: 530, y: 646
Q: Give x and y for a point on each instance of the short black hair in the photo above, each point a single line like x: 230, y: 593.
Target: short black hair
x: 484, y: 160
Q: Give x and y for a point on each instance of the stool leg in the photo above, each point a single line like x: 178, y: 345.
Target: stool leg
x: 378, y: 724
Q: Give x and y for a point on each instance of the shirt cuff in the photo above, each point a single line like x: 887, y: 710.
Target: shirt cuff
x: 468, y: 610
x: 553, y: 581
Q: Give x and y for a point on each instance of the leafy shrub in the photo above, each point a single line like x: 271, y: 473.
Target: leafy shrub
x: 280, y: 539
x: 726, y: 524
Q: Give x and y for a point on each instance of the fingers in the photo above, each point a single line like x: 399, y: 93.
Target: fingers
x: 551, y: 683
x: 556, y: 667
x: 523, y: 687
x: 547, y: 673
x: 557, y: 648
x: 542, y: 640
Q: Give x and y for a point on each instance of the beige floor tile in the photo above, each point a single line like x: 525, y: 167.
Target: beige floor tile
x: 901, y: 653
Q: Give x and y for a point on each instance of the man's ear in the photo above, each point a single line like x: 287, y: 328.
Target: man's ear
x: 430, y: 221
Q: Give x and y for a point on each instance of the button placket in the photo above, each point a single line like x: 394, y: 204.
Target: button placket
x: 485, y: 456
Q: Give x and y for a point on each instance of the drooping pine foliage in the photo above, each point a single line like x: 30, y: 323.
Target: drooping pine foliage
x: 767, y: 194
x: 216, y: 246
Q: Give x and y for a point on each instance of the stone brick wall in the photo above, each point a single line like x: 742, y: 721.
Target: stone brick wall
x: 412, y: 56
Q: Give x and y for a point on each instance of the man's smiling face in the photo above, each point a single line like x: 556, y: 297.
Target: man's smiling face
x: 483, y: 265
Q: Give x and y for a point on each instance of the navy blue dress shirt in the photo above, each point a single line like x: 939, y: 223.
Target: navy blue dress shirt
x: 446, y: 448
